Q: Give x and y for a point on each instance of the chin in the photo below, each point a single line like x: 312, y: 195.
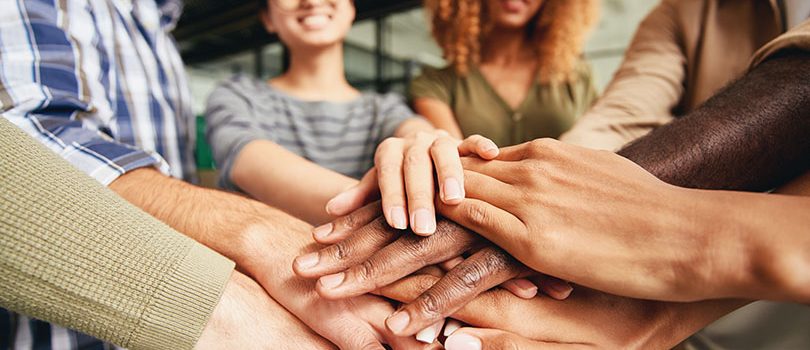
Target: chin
x: 513, y: 22
x: 318, y: 40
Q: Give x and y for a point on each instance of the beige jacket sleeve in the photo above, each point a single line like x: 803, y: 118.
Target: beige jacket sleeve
x: 795, y: 39
x: 74, y: 253
x: 643, y: 92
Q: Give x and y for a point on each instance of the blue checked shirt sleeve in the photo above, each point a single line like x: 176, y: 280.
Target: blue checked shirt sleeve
x: 41, y: 92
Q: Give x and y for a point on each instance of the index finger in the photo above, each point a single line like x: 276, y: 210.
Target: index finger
x: 402, y: 257
x: 482, y: 271
x: 356, y: 248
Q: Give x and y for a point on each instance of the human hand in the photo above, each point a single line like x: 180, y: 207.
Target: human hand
x: 349, y: 323
x: 587, y: 319
x: 368, y: 254
x: 595, y: 219
x: 246, y: 317
x: 404, y: 173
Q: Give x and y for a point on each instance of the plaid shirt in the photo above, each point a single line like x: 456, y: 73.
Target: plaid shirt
x: 100, y: 82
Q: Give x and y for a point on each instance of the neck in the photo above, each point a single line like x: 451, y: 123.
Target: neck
x: 506, y: 46
x: 316, y: 75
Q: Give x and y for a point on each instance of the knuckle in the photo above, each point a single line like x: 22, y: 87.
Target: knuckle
x: 415, y: 156
x: 541, y: 146
x: 506, y: 342
x: 389, y: 169
x: 430, y: 305
x: 347, y: 222
x: 477, y: 215
x: 420, y: 197
x: 416, y: 247
x: 340, y: 251
x: 366, y: 271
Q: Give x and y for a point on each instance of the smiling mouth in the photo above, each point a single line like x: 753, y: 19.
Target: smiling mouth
x: 315, y: 21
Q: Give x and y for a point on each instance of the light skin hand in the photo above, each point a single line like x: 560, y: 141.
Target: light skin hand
x: 262, y: 241
x: 403, y: 176
x: 558, y: 208
x: 246, y: 317
x: 375, y: 255
x: 587, y: 319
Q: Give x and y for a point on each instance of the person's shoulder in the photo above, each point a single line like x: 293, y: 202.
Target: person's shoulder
x: 242, y: 83
x: 447, y: 73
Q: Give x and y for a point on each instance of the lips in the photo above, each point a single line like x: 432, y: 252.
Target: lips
x: 514, y: 5
x: 315, y: 21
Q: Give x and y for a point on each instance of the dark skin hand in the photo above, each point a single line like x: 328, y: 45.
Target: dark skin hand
x: 765, y: 111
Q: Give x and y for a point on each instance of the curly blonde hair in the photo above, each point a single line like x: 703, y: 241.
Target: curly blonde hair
x: 559, y: 30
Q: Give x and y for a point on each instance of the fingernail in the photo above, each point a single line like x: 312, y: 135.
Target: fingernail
x: 307, y: 261
x: 564, y: 289
x: 322, y: 231
x: 462, y: 341
x: 424, y: 222
x: 398, y: 321
x: 333, y: 204
x: 429, y: 335
x: 451, y: 326
x: 452, y: 190
x: 398, y: 218
x: 490, y: 147
x: 524, y: 283
x: 526, y: 288
x: 332, y: 281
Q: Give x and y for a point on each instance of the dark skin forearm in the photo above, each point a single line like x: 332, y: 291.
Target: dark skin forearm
x: 752, y: 136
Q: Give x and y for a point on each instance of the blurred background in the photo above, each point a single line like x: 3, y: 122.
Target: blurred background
x: 389, y: 43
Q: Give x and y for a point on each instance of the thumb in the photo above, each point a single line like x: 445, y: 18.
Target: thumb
x: 356, y: 196
x: 488, y: 339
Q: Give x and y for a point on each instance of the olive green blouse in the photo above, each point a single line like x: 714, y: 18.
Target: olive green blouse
x: 548, y: 110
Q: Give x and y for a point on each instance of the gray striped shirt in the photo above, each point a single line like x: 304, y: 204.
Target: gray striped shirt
x: 341, y: 136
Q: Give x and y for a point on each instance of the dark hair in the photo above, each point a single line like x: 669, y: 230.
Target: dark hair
x: 262, y: 4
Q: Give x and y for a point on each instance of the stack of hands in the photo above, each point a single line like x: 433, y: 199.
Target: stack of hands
x: 605, y: 242
x: 517, y: 217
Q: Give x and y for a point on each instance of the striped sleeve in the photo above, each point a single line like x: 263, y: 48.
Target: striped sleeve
x: 230, y: 126
x: 392, y: 112
x: 44, y: 89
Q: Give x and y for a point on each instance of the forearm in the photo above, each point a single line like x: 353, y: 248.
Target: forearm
x: 284, y: 180
x: 263, y: 241
x: 217, y: 219
x: 74, y: 253
x: 751, y: 136
x: 765, y: 245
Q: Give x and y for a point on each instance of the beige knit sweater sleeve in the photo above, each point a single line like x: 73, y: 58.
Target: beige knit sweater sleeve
x: 75, y: 254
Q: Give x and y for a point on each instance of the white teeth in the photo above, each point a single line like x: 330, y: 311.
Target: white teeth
x: 315, y: 21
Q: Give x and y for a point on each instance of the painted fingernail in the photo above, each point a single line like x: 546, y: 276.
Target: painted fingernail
x: 322, y: 231
x: 398, y: 321
x: 452, y: 190
x: 462, y: 341
x: 307, y: 261
x: 398, y: 218
x: 332, y: 281
x: 429, y: 335
x: 424, y: 222
x: 451, y: 326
